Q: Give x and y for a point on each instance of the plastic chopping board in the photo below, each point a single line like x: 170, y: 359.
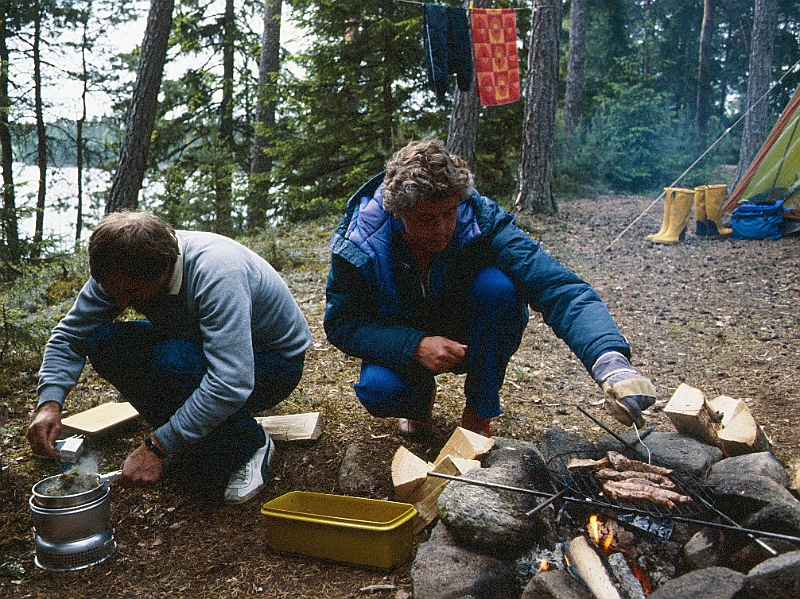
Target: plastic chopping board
x: 101, y: 417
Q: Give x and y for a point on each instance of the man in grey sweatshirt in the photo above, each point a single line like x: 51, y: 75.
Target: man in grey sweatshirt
x: 223, y: 339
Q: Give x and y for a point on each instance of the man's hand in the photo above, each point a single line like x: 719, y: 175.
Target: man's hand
x: 627, y: 392
x: 439, y: 354
x: 44, y: 430
x: 142, y: 467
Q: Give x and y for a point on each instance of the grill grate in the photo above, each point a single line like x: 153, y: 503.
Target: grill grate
x: 585, y: 488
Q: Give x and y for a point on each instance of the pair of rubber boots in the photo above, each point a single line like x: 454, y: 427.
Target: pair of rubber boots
x: 707, y: 201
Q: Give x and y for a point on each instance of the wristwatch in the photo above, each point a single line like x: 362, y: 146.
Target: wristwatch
x: 160, y: 453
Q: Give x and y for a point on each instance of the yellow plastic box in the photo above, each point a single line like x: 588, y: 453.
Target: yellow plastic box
x: 368, y: 532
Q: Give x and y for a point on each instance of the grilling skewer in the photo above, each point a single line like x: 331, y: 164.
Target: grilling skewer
x: 601, y: 504
x: 627, y: 445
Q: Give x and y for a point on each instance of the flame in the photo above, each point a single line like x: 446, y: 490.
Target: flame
x: 544, y: 565
x: 608, y: 540
x: 647, y: 586
x: 566, y: 561
x: 594, y: 529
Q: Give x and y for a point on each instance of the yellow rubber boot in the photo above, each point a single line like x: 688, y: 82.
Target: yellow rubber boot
x: 700, y: 217
x: 680, y: 210
x: 665, y: 219
x: 715, y: 198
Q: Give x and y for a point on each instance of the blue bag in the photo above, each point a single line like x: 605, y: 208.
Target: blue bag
x: 757, y: 221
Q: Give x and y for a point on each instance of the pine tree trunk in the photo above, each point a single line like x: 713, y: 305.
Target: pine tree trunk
x: 536, y: 171
x: 462, y: 134
x: 704, y: 73
x: 578, y: 15
x: 10, y: 227
x: 124, y: 193
x: 268, y: 69
x: 755, y: 123
x: 223, y: 185
x: 41, y: 131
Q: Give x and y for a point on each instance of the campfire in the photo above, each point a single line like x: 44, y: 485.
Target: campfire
x: 624, y: 517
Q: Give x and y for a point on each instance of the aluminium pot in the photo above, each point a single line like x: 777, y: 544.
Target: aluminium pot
x: 42, y: 498
x: 72, y: 523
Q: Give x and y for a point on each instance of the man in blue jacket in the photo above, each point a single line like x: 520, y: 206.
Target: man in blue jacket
x: 427, y: 276
x: 223, y: 339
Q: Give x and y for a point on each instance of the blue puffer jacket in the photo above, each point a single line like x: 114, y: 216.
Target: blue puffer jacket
x: 375, y: 307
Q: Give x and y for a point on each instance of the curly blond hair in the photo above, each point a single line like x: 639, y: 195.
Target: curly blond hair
x: 424, y: 170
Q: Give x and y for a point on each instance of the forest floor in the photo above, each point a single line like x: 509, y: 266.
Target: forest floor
x: 720, y: 315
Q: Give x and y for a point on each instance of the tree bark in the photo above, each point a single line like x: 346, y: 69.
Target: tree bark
x: 755, y: 123
x: 578, y: 14
x: 536, y: 170
x: 124, y: 193
x: 269, y: 64
x: 462, y: 134
x: 10, y: 227
x: 223, y: 176
x: 41, y: 131
x: 704, y: 73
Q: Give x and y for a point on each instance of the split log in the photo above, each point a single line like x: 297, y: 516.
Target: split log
x: 739, y: 432
x: 692, y: 415
x: 465, y: 444
x: 408, y: 473
x: 292, y: 427
x: 426, y: 497
x: 586, y: 562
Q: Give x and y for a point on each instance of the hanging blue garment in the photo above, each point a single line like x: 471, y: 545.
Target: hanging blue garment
x: 448, y: 47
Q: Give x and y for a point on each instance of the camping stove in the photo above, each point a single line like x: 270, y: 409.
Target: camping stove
x: 72, y: 537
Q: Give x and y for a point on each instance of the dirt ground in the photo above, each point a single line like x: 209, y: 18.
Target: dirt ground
x: 720, y: 315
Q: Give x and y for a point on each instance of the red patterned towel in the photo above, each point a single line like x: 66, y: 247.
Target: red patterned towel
x: 494, y: 39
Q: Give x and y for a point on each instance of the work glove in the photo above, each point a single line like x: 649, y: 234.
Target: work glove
x: 627, y: 392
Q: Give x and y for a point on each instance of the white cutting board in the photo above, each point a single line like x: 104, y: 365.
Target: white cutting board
x: 100, y: 418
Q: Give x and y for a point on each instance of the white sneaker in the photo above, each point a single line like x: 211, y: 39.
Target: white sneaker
x: 250, y: 478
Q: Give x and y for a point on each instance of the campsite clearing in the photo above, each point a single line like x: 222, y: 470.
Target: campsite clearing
x: 719, y: 315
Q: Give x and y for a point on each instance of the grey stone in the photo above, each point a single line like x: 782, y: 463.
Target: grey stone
x: 554, y: 584
x: 781, y: 518
x: 719, y: 583
x: 559, y: 445
x: 443, y: 569
x: 626, y: 579
x: 740, y: 496
x: 700, y: 552
x: 756, y: 464
x: 776, y: 578
x: 353, y: 477
x: 684, y: 454
x: 492, y: 520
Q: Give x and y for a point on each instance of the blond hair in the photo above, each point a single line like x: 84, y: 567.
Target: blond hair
x: 424, y: 170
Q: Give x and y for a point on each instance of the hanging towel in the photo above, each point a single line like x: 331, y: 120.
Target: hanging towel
x: 448, y: 47
x: 494, y: 37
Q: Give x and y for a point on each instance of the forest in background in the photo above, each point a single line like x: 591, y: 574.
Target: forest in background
x: 652, y: 99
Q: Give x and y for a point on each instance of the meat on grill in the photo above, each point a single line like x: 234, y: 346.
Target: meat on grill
x: 630, y: 490
x: 650, y: 477
x: 621, y: 462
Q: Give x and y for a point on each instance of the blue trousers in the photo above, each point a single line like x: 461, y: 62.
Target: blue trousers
x: 157, y: 376
x: 491, y: 326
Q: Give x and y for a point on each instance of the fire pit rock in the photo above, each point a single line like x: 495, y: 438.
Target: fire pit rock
x: 493, y: 520
x: 554, y: 584
x: 443, y: 569
x: 720, y: 583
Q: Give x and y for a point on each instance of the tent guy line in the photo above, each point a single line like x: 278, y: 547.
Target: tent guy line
x: 703, y: 155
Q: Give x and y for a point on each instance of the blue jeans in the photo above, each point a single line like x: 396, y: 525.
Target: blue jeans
x: 490, y: 323
x: 157, y: 376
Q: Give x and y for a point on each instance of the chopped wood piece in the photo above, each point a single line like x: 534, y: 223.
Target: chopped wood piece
x: 587, y: 464
x: 425, y: 498
x: 651, y: 477
x: 621, y: 462
x: 586, y: 562
x: 292, y: 427
x: 692, y: 415
x: 408, y: 473
x: 100, y: 418
x: 739, y: 432
x: 465, y: 465
x: 465, y: 444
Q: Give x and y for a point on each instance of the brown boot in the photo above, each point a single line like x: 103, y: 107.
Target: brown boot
x: 472, y: 422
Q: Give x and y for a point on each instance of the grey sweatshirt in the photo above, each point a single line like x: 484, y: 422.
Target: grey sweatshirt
x: 231, y: 299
